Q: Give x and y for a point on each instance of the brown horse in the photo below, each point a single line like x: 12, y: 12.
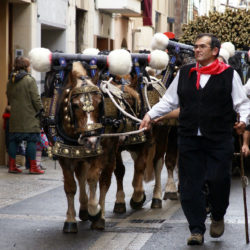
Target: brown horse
x: 82, y: 153
x: 148, y: 158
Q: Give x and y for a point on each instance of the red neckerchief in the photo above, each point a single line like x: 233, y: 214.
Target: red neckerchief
x: 214, y: 68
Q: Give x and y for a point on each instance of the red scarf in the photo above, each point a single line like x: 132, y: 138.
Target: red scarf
x: 214, y: 68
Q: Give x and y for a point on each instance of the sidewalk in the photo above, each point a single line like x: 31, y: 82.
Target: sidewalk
x: 17, y: 187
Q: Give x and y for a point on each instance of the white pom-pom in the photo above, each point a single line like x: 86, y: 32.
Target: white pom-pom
x: 91, y: 51
x: 158, y: 59
x: 120, y: 62
x: 159, y: 41
x: 40, y: 59
x: 224, y: 54
x: 229, y: 47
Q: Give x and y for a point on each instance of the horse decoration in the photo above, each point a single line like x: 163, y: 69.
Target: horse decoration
x: 76, y: 122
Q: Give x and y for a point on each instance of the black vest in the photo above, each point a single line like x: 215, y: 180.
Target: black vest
x: 209, y: 108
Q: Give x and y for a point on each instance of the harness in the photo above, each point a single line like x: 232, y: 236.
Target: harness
x: 113, y: 120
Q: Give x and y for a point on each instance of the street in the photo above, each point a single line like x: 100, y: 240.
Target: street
x: 33, y: 207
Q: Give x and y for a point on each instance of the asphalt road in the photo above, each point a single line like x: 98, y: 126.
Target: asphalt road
x: 32, y: 213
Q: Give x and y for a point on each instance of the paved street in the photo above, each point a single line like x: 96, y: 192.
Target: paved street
x: 32, y: 213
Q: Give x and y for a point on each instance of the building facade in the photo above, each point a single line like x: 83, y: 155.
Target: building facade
x: 71, y: 26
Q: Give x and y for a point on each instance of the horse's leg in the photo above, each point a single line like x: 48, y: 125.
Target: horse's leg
x: 93, y: 175
x: 108, y: 161
x: 70, y: 225
x: 139, y: 196
x: 120, y: 205
x: 81, y: 173
x: 170, y: 162
x: 161, y: 136
x: 157, y: 193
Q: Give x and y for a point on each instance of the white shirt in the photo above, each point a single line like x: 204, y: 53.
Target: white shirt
x: 170, y: 100
x: 247, y: 87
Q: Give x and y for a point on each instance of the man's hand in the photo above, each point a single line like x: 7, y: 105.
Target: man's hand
x: 240, y: 127
x: 146, y: 122
x: 245, y: 150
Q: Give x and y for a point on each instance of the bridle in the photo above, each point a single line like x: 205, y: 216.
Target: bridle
x: 86, y: 90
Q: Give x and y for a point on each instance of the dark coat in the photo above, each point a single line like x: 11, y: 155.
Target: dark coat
x: 25, y: 102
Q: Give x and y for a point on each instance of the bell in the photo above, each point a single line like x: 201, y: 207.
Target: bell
x: 99, y: 151
x: 50, y: 155
x: 65, y: 109
x: 55, y: 151
x: 91, y: 108
x: 67, y: 91
x: 77, y: 152
x: 66, y: 100
x: 84, y: 108
x: 87, y: 103
x: 66, y: 151
x: 57, y: 144
x: 87, y: 151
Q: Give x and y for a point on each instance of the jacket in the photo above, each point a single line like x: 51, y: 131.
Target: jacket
x: 25, y: 102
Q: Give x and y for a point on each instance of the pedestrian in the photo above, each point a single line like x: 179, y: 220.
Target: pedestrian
x: 25, y: 102
x: 207, y: 93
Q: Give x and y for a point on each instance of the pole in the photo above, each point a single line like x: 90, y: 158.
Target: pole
x: 244, y: 182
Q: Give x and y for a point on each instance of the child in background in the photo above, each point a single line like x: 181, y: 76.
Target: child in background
x: 40, y: 146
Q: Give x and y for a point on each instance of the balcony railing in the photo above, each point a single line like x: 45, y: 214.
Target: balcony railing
x: 124, y: 7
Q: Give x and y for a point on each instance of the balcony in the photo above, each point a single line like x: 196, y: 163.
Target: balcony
x: 124, y: 7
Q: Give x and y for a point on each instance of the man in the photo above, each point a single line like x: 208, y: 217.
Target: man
x: 207, y: 94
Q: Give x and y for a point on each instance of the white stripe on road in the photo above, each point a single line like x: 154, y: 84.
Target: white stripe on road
x: 128, y: 241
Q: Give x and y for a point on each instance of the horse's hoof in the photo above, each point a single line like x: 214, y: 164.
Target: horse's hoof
x: 119, y: 208
x: 137, y: 205
x: 83, y: 215
x: 70, y: 227
x: 95, y: 217
x: 170, y: 196
x: 98, y: 225
x: 156, y: 203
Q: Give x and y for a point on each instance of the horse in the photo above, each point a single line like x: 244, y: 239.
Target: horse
x: 80, y: 150
x: 161, y: 146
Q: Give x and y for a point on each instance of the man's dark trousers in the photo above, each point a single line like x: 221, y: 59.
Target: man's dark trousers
x: 203, y: 160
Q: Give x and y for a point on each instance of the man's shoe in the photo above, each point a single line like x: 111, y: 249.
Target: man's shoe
x: 195, y: 239
x: 216, y: 228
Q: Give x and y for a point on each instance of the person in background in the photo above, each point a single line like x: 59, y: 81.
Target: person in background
x: 40, y: 146
x: 208, y: 93
x: 25, y: 102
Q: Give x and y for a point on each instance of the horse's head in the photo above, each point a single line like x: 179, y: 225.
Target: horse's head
x: 81, y: 108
